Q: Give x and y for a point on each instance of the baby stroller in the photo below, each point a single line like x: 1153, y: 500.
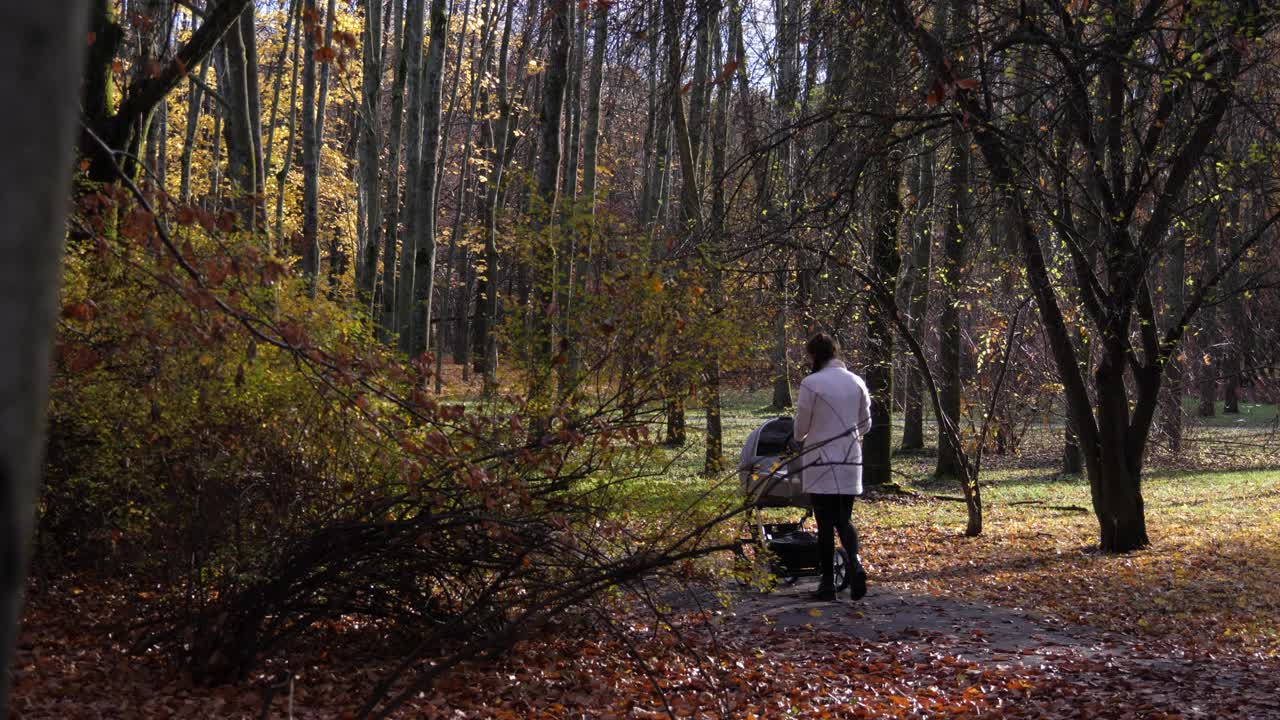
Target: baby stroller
x: 769, y: 474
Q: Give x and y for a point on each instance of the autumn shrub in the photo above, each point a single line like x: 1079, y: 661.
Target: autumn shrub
x: 267, y: 466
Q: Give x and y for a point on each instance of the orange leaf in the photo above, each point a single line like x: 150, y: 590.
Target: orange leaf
x: 83, y: 311
x: 936, y: 93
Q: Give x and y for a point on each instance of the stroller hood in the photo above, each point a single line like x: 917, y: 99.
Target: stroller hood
x: 764, y: 472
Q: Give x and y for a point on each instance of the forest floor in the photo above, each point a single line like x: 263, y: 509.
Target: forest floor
x: 1025, y: 621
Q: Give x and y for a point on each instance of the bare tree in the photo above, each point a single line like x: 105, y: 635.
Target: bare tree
x: 1098, y: 105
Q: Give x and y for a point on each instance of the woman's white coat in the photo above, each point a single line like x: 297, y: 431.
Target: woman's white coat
x: 833, y: 415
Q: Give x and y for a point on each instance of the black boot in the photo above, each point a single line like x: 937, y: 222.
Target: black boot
x: 826, y: 592
x: 858, y: 583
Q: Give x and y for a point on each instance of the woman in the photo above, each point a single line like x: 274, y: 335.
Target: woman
x: 833, y: 415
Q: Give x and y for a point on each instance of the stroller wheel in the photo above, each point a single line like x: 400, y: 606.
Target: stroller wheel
x: 841, y: 566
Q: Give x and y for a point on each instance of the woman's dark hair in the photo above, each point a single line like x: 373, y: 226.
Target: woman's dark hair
x: 822, y: 348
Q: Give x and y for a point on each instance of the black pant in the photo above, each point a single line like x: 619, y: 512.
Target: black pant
x: 833, y: 513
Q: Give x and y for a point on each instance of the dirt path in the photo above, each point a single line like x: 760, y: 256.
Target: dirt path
x: 1075, y: 661
x: 886, y: 615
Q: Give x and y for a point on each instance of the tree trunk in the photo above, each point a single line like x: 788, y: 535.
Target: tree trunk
x: 154, y: 20
x: 42, y: 50
x: 955, y: 241
x: 238, y: 85
x: 1208, y: 333
x: 391, y: 229
x: 413, y: 168
x: 591, y: 136
x: 416, y: 320
x: 690, y: 197
x: 918, y: 303
x: 310, y: 147
x: 713, y: 463
x: 885, y: 262
x: 1072, y: 462
x: 569, y: 267
x: 287, y: 39
x: 545, y: 252
x: 1232, y: 357
x: 213, y: 201
x: 487, y: 292
x: 788, y: 83
x: 1175, y: 280
x: 369, y: 153
x: 194, y: 106
x: 289, y: 152
x: 1115, y: 474
x: 465, y: 314
x: 322, y: 104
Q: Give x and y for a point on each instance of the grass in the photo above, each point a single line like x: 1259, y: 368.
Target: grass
x: 1213, y: 510
x: 1250, y: 415
x: 1207, y: 583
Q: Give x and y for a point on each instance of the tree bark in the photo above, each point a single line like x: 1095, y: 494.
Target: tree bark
x: 238, y: 84
x: 957, y: 235
x: 391, y: 230
x: 403, y: 320
x: 369, y: 152
x: 194, y: 107
x: 42, y: 50
x: 545, y: 235
x: 487, y: 297
x: 885, y: 259
x: 283, y: 176
x: 310, y: 148
x: 1232, y: 356
x: 713, y: 463
x: 1207, y: 334
x: 321, y: 115
x: 690, y: 196
x: 918, y: 297
x: 287, y: 40
x: 1175, y: 281
x: 591, y: 136
x: 415, y: 309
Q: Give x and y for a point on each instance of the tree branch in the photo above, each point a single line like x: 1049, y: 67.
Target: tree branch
x: 146, y: 94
